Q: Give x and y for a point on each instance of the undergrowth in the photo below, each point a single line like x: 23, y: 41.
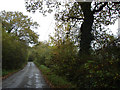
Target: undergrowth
x: 55, y: 80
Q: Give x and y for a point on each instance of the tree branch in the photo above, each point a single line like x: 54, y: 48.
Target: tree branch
x: 96, y: 4
x: 71, y: 17
x: 116, y: 2
x: 100, y: 8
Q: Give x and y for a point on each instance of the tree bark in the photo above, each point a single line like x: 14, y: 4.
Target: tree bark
x: 86, y: 28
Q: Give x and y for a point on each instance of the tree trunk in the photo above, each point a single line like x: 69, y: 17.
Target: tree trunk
x: 86, y: 28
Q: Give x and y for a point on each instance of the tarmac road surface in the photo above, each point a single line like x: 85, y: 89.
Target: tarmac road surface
x: 29, y: 77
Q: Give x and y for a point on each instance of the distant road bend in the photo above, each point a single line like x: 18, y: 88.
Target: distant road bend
x: 29, y: 77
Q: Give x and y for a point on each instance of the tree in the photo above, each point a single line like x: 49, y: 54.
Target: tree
x: 19, y: 25
x: 14, y: 52
x: 93, y: 17
x: 89, y: 12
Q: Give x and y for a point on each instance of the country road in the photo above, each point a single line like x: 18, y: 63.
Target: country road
x: 29, y: 77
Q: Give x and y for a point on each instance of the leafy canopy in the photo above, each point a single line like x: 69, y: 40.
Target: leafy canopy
x: 19, y: 25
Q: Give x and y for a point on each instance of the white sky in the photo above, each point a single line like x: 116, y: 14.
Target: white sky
x: 46, y: 23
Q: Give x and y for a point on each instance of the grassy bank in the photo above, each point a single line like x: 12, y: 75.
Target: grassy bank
x: 54, y: 80
x: 7, y: 73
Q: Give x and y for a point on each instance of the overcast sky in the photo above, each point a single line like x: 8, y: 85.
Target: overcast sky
x: 46, y: 23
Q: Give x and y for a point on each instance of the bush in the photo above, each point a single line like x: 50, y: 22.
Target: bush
x: 100, y: 71
x: 14, y: 52
x: 55, y: 80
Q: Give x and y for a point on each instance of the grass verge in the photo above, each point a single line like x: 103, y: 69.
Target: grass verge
x: 7, y: 73
x: 54, y: 80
